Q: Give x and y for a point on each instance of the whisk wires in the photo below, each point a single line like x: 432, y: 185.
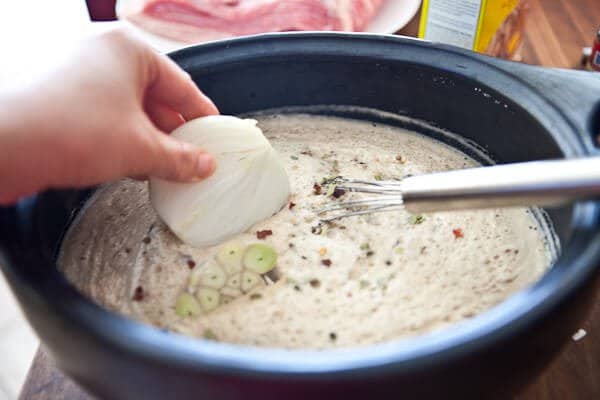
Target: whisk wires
x: 389, y: 199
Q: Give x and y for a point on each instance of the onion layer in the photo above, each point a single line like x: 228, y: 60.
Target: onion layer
x: 249, y: 184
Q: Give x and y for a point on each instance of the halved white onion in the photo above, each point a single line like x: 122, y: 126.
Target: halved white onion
x: 249, y: 184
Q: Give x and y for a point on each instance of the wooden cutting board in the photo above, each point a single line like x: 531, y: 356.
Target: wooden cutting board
x: 556, y: 32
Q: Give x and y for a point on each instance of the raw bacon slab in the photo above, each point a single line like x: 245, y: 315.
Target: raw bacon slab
x: 192, y: 21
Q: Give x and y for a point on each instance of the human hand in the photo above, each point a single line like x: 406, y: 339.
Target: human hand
x: 103, y: 115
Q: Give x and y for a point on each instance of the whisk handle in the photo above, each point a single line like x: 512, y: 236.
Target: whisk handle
x: 541, y: 183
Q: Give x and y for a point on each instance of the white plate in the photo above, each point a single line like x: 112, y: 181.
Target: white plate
x: 393, y: 16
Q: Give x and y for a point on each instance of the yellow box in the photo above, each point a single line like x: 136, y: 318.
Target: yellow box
x: 493, y: 27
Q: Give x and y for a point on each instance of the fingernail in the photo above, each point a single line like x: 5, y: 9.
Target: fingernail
x: 206, y: 165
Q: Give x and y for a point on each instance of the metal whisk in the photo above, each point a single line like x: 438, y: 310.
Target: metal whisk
x: 538, y: 183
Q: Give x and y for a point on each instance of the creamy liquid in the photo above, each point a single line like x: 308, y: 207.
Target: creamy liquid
x: 390, y: 277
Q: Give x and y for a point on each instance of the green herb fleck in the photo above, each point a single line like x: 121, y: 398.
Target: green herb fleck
x: 365, y: 246
x: 209, y: 335
x: 382, y: 281
x: 416, y: 219
x: 291, y: 281
x: 398, y: 250
x: 331, y: 179
x: 364, y: 284
x: 336, y: 166
x: 378, y: 176
x: 330, y: 190
x: 294, y: 157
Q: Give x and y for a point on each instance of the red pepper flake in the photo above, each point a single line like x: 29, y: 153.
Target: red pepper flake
x: 337, y: 193
x: 458, y: 233
x: 292, y: 205
x: 191, y: 264
x: 326, y: 262
x: 138, y: 295
x: 263, y: 234
x: 317, y: 188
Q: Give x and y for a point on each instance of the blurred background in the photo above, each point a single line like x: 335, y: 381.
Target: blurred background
x: 554, y: 33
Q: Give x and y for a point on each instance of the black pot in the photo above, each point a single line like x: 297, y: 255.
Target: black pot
x: 514, y: 111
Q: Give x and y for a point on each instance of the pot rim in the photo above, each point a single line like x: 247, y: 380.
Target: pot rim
x: 579, y: 261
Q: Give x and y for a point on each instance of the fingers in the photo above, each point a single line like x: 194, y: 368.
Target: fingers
x: 162, y: 156
x: 162, y: 81
x: 163, y: 117
x: 174, y: 88
x: 182, y: 162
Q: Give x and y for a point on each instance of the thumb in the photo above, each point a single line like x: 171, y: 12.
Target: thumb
x: 179, y: 161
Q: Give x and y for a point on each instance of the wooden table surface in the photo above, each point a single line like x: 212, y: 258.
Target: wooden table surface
x: 557, y: 31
